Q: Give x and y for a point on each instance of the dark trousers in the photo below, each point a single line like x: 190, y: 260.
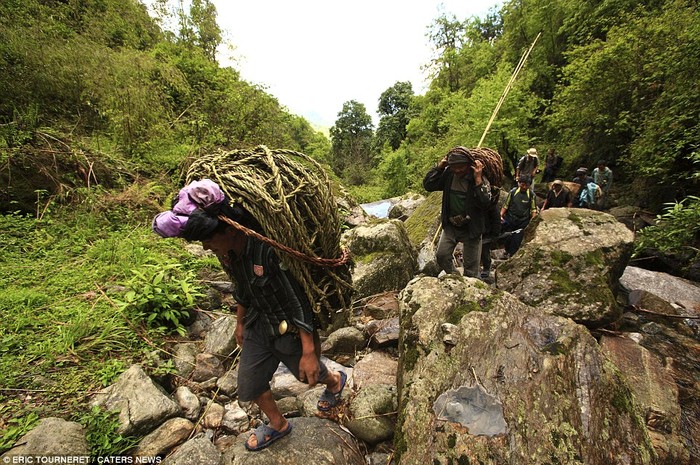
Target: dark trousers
x: 513, y: 241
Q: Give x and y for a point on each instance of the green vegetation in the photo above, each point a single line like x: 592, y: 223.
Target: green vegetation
x: 678, y: 228
x: 64, y: 335
x: 102, y: 436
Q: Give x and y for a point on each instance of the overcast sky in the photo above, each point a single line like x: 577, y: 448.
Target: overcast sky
x: 314, y: 55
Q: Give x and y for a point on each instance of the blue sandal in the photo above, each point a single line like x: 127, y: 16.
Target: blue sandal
x: 264, y: 436
x: 332, y: 399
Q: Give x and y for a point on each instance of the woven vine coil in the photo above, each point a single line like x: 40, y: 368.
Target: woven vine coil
x: 289, y: 194
x: 493, y: 163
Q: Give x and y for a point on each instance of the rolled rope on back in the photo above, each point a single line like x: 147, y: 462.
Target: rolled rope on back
x: 290, y: 196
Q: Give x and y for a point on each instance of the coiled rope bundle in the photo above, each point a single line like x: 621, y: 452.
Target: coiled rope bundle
x: 493, y: 163
x: 289, y: 194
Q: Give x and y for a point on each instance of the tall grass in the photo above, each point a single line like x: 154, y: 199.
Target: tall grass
x: 63, y: 335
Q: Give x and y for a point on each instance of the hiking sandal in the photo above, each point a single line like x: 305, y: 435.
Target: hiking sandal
x: 264, y: 436
x: 331, y: 399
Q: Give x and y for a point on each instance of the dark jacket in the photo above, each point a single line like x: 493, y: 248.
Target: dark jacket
x: 478, y: 199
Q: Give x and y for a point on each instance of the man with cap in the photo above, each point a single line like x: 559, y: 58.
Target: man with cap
x: 466, y: 195
x: 520, y: 207
x: 603, y: 177
x: 527, y: 166
x: 275, y: 322
x: 558, y: 196
x: 582, y: 179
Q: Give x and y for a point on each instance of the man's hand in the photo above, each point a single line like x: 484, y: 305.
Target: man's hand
x: 478, y: 168
x: 309, y: 369
x: 442, y: 164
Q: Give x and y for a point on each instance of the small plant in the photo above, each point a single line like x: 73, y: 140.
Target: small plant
x: 17, y: 428
x: 101, y: 428
x: 161, y: 296
x: 677, y: 228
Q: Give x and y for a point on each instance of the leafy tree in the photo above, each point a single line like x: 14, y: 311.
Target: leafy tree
x: 351, y: 142
x: 208, y: 33
x: 649, y: 119
x: 394, y: 114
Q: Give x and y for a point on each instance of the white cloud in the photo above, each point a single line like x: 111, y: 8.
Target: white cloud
x: 315, y: 55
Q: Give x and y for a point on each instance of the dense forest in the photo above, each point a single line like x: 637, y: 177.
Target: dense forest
x: 102, y: 108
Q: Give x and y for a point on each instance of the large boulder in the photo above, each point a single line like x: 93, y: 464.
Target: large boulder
x: 50, y: 437
x: 383, y: 255
x: 142, y: 404
x: 423, y: 228
x: 514, y: 384
x: 313, y: 441
x: 571, y: 265
x: 655, y: 391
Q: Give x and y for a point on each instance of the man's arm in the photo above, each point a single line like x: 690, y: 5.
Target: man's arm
x: 240, y: 316
x: 309, y: 368
x: 435, y: 179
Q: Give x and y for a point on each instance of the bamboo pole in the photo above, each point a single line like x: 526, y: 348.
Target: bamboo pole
x: 513, y: 77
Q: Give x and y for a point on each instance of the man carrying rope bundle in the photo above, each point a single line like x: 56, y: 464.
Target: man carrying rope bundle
x: 275, y: 321
x: 465, y: 200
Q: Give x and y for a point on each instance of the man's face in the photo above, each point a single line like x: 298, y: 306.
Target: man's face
x: 460, y: 169
x: 221, y: 243
x: 523, y: 185
x: 556, y: 187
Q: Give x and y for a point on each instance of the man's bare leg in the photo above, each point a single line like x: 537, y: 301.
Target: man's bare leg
x: 267, y: 404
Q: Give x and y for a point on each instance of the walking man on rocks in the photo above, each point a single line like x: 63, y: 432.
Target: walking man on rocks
x: 466, y: 194
x: 275, y: 322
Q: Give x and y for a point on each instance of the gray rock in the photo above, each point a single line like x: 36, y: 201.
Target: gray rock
x: 221, y: 339
x: 50, y: 437
x: 571, y: 265
x: 383, y: 333
x: 561, y: 398
x: 284, y: 384
x: 235, y: 418
x: 188, y: 402
x: 404, y: 207
x: 375, y: 368
x: 373, y: 414
x: 384, y: 257
x: 142, y: 404
x: 184, y: 358
x: 163, y: 439
x: 199, y: 451
x: 312, y: 441
x: 228, y: 383
x: 207, y: 366
x: 346, y: 340
x: 665, y: 286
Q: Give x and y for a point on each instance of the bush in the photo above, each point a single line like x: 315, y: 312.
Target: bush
x: 161, y: 296
x: 677, y: 228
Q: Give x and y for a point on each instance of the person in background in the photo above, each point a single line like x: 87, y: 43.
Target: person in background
x: 527, y: 166
x: 491, y: 232
x: 603, y: 177
x: 582, y: 179
x: 465, y: 199
x: 551, y: 166
x: 558, y: 196
x: 275, y: 321
x: 520, y: 207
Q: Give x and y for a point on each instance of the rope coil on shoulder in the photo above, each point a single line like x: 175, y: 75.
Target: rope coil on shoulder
x: 289, y: 194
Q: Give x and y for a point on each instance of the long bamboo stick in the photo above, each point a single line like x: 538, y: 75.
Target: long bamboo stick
x: 508, y: 87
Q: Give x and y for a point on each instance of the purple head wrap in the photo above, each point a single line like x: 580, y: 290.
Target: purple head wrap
x: 169, y: 224
x: 198, y: 194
